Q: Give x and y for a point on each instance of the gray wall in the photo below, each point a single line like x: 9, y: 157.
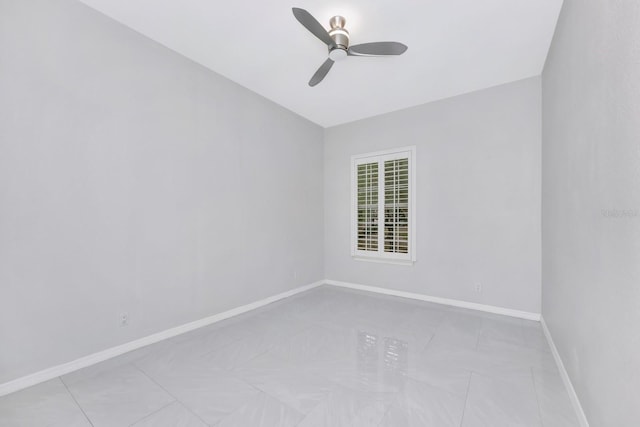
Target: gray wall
x: 133, y: 180
x: 478, y: 196
x: 591, y: 204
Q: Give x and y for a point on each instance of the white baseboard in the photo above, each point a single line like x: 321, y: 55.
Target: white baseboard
x: 445, y: 301
x: 92, y: 359
x: 582, y: 418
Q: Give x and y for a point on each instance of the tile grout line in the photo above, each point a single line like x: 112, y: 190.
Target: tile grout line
x: 384, y: 415
x: 435, y: 332
x: 424, y: 348
x: 167, y: 391
x: 438, y: 387
x: 74, y: 399
x: 524, y: 335
x: 266, y: 394
x: 269, y: 394
x: 252, y: 334
x: 239, y: 378
x: 229, y: 371
x: 535, y: 392
x: 466, y: 398
x: 152, y: 413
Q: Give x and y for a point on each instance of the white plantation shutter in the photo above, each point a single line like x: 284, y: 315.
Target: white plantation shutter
x: 367, y: 181
x: 382, y: 206
x: 396, y: 206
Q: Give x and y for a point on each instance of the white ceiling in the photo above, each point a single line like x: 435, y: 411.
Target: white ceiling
x: 455, y: 46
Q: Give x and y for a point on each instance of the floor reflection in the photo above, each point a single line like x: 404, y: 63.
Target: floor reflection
x: 382, y: 360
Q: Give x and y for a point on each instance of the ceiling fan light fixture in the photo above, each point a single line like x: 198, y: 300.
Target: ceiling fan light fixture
x: 337, y: 22
x: 337, y: 40
x: 338, y: 53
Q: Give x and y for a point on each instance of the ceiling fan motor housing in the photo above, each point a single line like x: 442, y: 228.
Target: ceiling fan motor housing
x: 338, y: 33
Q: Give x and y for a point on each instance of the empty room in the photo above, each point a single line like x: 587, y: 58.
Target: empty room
x: 322, y: 213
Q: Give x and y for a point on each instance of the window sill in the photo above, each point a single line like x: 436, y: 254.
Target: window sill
x: 384, y: 260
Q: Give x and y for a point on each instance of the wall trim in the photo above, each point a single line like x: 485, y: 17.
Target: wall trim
x: 445, y: 301
x: 577, y: 407
x: 92, y: 359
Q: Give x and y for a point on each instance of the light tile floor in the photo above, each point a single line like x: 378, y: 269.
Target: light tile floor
x: 327, y: 357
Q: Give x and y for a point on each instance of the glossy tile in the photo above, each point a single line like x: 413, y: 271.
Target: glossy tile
x: 263, y: 411
x: 501, y: 330
x: 208, y: 391
x: 343, y: 407
x: 460, y: 329
x: 380, y: 365
x: 109, y: 364
x: 441, y: 353
x: 218, y: 334
x: 444, y: 376
x: 266, y: 333
x: 383, y: 348
x: 555, y: 407
x: 421, y: 404
x: 362, y: 360
x: 316, y: 343
x: 425, y: 320
x: 172, y: 415
x: 240, y: 352
x: 183, y: 353
x: 302, y: 386
x: 45, y: 404
x: 513, y: 357
x: 501, y: 401
x: 327, y: 357
x: 534, y: 336
x: 120, y: 396
x: 494, y: 359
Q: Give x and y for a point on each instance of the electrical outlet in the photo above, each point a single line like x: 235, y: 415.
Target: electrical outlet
x: 124, y: 320
x: 478, y: 287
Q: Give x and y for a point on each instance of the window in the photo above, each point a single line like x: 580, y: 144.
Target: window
x: 382, y: 206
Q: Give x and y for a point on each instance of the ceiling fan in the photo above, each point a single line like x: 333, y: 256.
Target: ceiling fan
x: 337, y: 40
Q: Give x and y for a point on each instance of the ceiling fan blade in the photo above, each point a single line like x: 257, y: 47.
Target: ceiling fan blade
x: 377, y: 49
x: 311, y: 24
x: 321, y: 73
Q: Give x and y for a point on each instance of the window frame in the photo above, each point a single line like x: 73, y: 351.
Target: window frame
x: 380, y: 157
